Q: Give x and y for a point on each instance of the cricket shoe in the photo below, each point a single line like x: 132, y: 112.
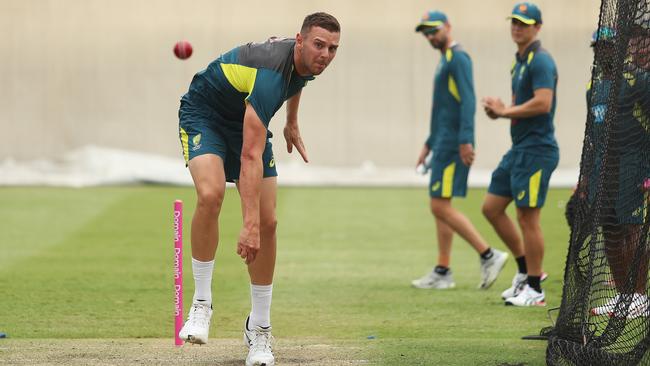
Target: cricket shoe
x: 490, y: 268
x: 615, y: 307
x: 260, y: 351
x: 638, y: 307
x: 197, y: 326
x: 527, y: 297
x: 518, y: 283
x: 434, y: 280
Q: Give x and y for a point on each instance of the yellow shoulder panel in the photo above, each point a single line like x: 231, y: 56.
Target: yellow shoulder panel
x: 242, y: 78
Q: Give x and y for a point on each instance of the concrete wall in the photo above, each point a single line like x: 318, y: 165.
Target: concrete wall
x: 78, y: 72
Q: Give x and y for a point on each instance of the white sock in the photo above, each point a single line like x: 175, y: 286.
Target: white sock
x: 202, y: 281
x: 261, y: 306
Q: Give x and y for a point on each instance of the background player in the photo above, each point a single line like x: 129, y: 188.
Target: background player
x: 525, y: 170
x: 452, y: 142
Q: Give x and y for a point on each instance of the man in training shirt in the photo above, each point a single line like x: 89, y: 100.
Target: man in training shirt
x: 223, y: 131
x: 525, y: 170
x: 452, y: 143
x: 624, y: 202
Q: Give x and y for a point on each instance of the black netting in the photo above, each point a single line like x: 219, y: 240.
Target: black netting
x: 604, y: 317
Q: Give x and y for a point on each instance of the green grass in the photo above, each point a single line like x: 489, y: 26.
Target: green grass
x: 97, y: 263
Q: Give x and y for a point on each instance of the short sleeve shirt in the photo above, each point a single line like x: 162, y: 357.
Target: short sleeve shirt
x: 534, y: 70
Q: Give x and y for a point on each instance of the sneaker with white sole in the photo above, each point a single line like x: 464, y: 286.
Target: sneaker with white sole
x: 518, y: 283
x: 607, y: 308
x: 197, y: 326
x: 490, y: 268
x: 527, y: 297
x: 638, y: 306
x: 260, y: 350
x: 434, y: 280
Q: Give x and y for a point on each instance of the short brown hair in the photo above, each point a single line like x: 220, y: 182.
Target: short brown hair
x: 322, y: 20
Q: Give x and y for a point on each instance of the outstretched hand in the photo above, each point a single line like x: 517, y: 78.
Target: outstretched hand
x: 292, y: 136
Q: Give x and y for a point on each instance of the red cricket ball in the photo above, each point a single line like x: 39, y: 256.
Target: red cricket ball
x: 183, y: 49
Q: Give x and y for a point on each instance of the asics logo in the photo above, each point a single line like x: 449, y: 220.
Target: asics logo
x: 521, y: 195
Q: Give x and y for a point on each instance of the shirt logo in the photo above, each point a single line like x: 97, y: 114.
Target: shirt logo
x: 521, y: 195
x: 599, y: 112
x: 435, y: 186
x: 272, y: 163
x: 196, y: 141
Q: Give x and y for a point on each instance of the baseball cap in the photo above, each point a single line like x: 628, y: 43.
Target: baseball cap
x: 603, y: 34
x: 527, y: 13
x: 434, y: 19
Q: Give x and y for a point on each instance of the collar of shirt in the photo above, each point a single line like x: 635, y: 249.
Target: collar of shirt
x: 294, y: 73
x: 533, y: 47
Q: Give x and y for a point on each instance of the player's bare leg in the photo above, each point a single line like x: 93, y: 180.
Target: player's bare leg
x: 209, y: 180
x: 494, y: 210
x: 440, y: 277
x: 492, y: 260
x: 257, y: 330
x: 210, y: 183
x: 444, y: 211
x: 529, y: 222
x: 445, y: 235
x: 262, y: 268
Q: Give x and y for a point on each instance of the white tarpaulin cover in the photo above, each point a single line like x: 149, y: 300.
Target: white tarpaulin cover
x: 92, y: 166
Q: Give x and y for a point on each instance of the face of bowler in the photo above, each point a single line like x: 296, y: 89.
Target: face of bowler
x: 316, y: 48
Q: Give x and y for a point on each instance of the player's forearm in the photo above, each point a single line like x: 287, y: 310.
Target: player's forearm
x: 292, y: 108
x: 534, y: 107
x: 250, y: 180
x: 541, y: 103
x: 250, y: 174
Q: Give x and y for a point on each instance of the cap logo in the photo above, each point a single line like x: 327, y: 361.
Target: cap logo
x: 425, y: 16
x: 523, y: 8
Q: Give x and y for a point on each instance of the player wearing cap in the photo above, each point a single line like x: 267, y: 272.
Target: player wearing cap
x: 624, y: 204
x: 224, y: 120
x: 525, y: 170
x: 452, y: 142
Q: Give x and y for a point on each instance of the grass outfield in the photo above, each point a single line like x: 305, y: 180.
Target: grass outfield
x: 97, y: 263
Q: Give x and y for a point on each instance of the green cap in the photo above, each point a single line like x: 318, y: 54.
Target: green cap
x: 527, y: 13
x: 432, y: 19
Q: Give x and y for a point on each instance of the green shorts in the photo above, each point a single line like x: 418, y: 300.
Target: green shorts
x: 203, y: 131
x: 524, y: 176
x: 448, y: 175
x: 631, y: 200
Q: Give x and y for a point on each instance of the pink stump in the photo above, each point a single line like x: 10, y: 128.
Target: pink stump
x: 178, y: 271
